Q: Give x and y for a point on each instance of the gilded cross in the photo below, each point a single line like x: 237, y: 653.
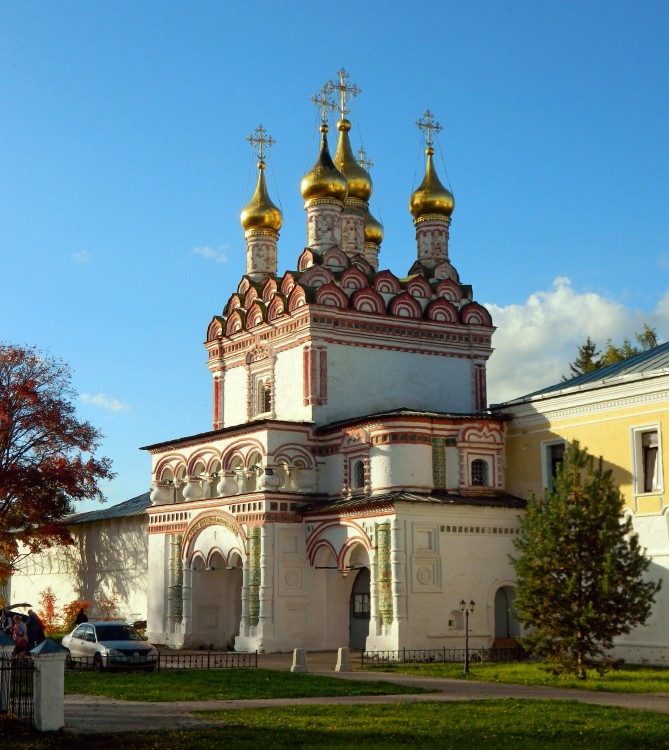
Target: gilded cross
x: 322, y: 100
x: 427, y: 124
x: 364, y: 160
x: 345, y: 90
x: 260, y: 140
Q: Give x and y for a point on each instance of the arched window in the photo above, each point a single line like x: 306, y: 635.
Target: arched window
x: 264, y: 397
x: 359, y: 475
x: 480, y: 473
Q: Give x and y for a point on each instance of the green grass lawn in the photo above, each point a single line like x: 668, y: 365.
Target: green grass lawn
x: 628, y: 679
x: 499, y: 724
x: 202, y: 684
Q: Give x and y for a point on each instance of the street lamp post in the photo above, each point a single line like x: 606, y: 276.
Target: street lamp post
x: 466, y: 609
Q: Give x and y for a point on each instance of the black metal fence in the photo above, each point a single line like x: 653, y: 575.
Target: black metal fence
x: 16, y: 690
x: 441, y: 656
x: 173, y: 660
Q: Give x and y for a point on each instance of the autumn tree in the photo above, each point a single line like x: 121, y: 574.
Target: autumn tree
x: 580, y: 571
x: 47, y: 455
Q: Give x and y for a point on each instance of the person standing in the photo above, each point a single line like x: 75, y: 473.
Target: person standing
x: 35, y: 630
x: 20, y: 636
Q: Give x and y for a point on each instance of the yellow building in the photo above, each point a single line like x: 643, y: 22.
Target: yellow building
x: 620, y: 412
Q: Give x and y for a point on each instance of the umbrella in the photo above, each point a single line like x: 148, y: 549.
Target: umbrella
x: 23, y: 605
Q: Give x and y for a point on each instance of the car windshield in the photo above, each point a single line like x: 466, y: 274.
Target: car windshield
x: 117, y: 633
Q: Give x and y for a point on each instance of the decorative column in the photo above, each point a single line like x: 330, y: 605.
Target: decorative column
x: 254, y: 577
x: 187, y: 601
x: 374, y: 614
x: 244, y: 625
x: 266, y: 612
x: 193, y: 489
x: 384, y: 574
x: 398, y: 562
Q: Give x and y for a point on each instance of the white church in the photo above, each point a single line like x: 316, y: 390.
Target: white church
x: 351, y: 490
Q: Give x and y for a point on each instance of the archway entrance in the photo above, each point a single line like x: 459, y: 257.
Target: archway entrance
x: 360, y: 610
x: 506, y: 625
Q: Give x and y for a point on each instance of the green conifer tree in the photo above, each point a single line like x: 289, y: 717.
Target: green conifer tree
x: 580, y: 572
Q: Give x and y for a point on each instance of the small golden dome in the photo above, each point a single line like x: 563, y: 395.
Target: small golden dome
x: 431, y: 197
x: 359, y: 181
x: 324, y: 180
x: 373, y: 231
x: 261, y: 213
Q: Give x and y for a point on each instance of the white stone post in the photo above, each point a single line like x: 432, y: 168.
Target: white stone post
x: 343, y: 663
x: 299, y: 661
x: 49, y: 692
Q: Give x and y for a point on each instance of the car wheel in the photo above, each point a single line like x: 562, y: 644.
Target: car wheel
x: 98, y: 666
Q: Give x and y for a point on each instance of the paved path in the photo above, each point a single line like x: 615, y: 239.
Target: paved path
x: 97, y: 715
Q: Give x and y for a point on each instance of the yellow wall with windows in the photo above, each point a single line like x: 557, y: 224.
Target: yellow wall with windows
x: 605, y: 429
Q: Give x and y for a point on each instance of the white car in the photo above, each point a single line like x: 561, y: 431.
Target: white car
x: 110, y: 645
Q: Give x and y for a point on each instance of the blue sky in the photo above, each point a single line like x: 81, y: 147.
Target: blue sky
x: 124, y: 167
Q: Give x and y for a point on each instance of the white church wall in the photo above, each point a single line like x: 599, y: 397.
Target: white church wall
x: 109, y: 559
x: 289, y: 387
x: 366, y: 380
x: 401, y: 465
x: 331, y: 474
x: 456, y: 553
x: 234, y: 396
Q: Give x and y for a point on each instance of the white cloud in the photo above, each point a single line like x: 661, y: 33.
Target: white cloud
x: 535, y: 341
x: 220, y: 255
x: 82, y: 257
x: 105, y: 402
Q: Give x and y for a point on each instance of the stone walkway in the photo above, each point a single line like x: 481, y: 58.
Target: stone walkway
x: 96, y: 715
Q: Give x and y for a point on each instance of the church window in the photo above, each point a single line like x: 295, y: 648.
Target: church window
x: 480, y: 473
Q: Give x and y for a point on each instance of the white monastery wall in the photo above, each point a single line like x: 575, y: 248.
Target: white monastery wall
x: 109, y: 559
x: 158, y: 554
x: 649, y: 643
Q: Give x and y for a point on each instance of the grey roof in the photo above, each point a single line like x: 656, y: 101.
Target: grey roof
x: 653, y: 362
x: 436, y: 497
x: 133, y: 507
x: 49, y: 646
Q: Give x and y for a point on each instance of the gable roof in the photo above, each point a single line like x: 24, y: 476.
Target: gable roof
x: 651, y: 363
x: 136, y: 506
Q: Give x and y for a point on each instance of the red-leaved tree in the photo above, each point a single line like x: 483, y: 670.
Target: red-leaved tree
x: 47, y: 456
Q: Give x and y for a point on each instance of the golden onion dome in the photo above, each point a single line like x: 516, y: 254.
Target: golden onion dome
x: 359, y: 181
x: 431, y: 197
x: 261, y: 213
x: 373, y: 231
x: 324, y: 180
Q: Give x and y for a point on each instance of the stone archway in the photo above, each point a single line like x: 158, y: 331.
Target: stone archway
x: 360, y: 603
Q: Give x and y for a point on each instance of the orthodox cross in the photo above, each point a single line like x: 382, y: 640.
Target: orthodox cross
x: 427, y: 124
x: 364, y: 160
x: 322, y: 100
x: 344, y: 90
x: 260, y: 140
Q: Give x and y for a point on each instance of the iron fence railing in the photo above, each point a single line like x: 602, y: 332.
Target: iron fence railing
x: 440, y: 656
x: 16, y: 690
x: 172, y: 660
